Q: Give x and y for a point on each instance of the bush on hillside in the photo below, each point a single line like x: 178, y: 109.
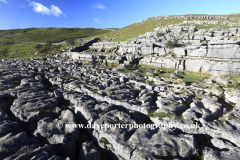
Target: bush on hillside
x: 71, y: 41
x: 38, y: 47
x: 44, y: 50
x: 172, y: 43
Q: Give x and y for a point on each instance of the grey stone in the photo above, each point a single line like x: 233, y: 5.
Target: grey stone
x: 192, y: 113
x: 178, y: 73
x: 6, y: 84
x: 213, y: 105
x: 219, y: 144
x: 172, y: 75
x: 121, y: 66
x: 88, y: 152
x: 209, y: 153
x: 148, y: 144
x: 44, y: 152
x: 173, y: 104
x: 208, y: 81
x: 58, y: 132
x: 11, y: 143
x: 123, y: 79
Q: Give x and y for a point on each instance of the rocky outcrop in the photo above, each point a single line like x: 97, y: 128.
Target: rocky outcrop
x: 216, y: 50
x: 47, y: 103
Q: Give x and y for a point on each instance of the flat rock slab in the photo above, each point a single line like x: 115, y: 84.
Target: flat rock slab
x: 6, y: 84
x: 142, y: 143
x: 33, y: 101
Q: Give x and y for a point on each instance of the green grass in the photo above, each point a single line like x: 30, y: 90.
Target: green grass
x: 234, y: 78
x: 194, y: 77
x: 178, y: 81
x: 226, y: 119
x: 183, y: 92
x: 112, y: 65
x: 219, y: 88
x: 90, y: 63
x: 136, y: 29
x: 204, y: 86
x: 162, y: 115
x: 118, y: 98
x: 104, y: 140
x: 95, y: 91
x: 187, y: 76
x: 58, y: 34
x: 10, y: 51
x: 48, y: 34
x: 70, y: 77
x: 146, y: 68
x: 231, y: 103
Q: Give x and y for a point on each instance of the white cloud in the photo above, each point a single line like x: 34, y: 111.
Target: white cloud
x: 56, y: 11
x: 96, y: 20
x: 22, y: 6
x: 5, y: 1
x: 39, y: 8
x: 99, y: 6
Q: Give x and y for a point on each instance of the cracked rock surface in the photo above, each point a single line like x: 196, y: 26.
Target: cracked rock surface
x: 43, y: 102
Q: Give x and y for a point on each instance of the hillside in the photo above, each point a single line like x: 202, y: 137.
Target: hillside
x: 109, y: 34
x: 42, y: 35
x: 148, y: 25
x: 47, y: 34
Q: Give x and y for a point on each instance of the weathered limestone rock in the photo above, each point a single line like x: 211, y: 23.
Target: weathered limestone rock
x: 160, y: 62
x: 32, y: 100
x: 180, y: 52
x: 233, y: 97
x: 232, y: 154
x: 226, y: 51
x: 220, y: 80
x: 88, y: 152
x: 121, y: 66
x: 160, y: 143
x: 147, y: 49
x: 173, y: 104
x: 213, y: 105
x: 197, y: 52
x: 193, y: 113
x: 58, y: 133
x: 6, y: 84
x: 156, y: 143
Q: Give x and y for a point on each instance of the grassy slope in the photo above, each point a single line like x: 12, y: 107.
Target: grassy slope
x: 38, y: 35
x: 47, y: 34
x: 56, y: 34
x: 136, y: 29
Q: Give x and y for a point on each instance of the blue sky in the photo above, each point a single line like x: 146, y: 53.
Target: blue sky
x: 101, y: 13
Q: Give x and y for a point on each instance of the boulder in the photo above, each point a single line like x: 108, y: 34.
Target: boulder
x: 213, y: 105
x: 61, y: 133
x: 121, y: 66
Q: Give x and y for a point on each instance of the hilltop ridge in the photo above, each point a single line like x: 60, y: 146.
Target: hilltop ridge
x: 148, y: 25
